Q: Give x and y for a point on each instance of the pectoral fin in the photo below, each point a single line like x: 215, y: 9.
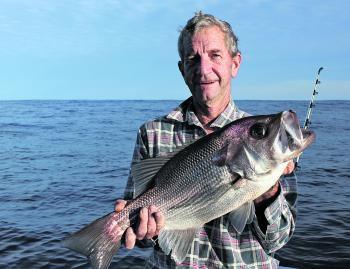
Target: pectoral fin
x: 242, y: 216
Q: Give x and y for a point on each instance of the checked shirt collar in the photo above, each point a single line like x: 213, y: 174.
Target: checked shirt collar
x: 184, y: 113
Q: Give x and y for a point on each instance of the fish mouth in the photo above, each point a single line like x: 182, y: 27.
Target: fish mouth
x: 295, y: 138
x: 308, y: 137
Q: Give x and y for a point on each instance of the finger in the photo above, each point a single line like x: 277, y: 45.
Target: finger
x: 270, y: 193
x: 289, y: 169
x: 130, y: 238
x: 160, y: 221
x: 142, y: 229
x: 151, y: 224
x: 119, y: 205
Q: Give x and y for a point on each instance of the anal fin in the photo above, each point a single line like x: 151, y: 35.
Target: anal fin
x: 178, y: 242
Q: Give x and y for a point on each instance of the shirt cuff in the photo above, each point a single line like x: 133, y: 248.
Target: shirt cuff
x: 274, y: 210
x: 273, y: 216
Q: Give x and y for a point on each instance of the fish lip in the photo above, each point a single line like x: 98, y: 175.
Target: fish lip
x: 308, y: 138
x: 298, y: 139
x: 292, y: 127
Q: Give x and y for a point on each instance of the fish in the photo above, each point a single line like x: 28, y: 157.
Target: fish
x: 221, y: 173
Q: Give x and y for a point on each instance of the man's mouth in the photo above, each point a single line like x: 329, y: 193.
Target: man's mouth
x: 207, y: 82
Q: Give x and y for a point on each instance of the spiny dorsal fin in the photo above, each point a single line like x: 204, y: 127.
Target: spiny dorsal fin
x: 144, y: 171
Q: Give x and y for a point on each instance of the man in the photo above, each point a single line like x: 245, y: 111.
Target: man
x: 209, y: 60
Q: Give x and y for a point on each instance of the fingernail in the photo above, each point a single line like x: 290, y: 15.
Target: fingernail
x: 144, y: 211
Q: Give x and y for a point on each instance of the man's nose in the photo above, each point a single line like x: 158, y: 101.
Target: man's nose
x: 205, y: 65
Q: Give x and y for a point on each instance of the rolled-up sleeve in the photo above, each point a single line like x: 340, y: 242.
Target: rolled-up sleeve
x: 280, y: 215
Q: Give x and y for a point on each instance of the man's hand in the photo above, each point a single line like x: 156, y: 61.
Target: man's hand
x: 151, y: 222
x: 290, y: 168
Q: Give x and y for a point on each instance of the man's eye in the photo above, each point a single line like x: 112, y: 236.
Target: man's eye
x: 190, y: 60
x: 216, y: 56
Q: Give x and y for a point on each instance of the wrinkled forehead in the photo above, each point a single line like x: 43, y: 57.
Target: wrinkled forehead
x: 205, y: 39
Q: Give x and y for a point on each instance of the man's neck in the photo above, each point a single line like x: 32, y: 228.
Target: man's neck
x: 208, y: 114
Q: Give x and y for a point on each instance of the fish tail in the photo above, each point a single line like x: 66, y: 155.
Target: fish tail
x: 98, y: 241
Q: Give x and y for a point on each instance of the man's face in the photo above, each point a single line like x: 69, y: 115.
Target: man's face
x: 207, y: 67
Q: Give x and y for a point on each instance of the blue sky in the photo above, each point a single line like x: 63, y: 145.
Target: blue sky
x: 127, y: 49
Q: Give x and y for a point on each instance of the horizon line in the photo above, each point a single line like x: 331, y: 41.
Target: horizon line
x: 73, y: 99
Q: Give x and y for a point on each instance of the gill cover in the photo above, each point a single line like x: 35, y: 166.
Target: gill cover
x: 249, y: 155
x: 226, y: 154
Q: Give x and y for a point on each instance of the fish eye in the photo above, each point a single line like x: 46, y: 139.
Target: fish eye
x: 258, y: 131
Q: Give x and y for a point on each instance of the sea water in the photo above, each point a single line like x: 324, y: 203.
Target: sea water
x: 64, y: 163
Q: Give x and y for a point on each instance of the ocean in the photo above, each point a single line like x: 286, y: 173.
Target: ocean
x: 64, y: 163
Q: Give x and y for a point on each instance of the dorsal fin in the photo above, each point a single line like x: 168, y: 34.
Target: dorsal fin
x: 144, y: 171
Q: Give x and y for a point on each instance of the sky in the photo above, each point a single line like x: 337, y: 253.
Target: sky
x: 113, y: 49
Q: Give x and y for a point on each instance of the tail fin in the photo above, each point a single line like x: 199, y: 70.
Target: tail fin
x: 93, y: 242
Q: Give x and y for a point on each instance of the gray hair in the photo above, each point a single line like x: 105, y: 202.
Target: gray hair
x: 200, y: 21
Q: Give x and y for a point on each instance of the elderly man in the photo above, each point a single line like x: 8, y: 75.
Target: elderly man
x: 209, y: 60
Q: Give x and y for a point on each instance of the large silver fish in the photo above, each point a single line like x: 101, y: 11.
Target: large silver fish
x: 222, y: 172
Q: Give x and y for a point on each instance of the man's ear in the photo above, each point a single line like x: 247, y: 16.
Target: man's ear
x: 181, y: 67
x: 236, y: 62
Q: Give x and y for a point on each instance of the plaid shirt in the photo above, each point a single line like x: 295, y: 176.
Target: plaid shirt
x: 217, y: 245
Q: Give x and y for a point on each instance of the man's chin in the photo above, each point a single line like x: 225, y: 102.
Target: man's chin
x: 205, y: 102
